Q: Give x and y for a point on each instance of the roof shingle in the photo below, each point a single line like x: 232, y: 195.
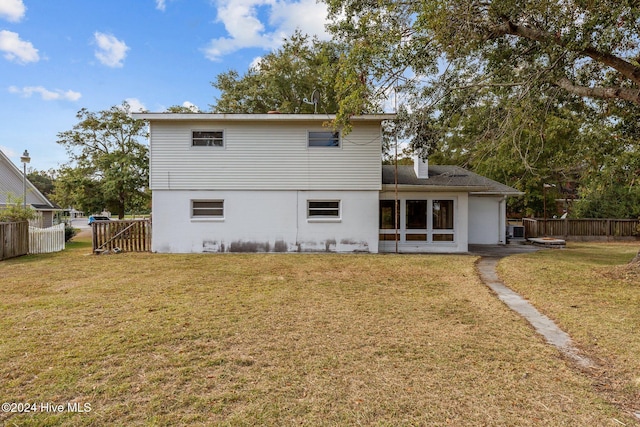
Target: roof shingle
x: 446, y: 178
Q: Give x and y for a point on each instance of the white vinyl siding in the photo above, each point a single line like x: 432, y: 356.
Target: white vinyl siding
x: 263, y: 155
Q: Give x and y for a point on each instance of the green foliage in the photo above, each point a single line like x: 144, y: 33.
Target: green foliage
x: 42, y: 180
x: 608, y: 202
x: 524, y: 92
x: 14, y: 210
x: 283, y: 79
x: 182, y: 109
x: 110, y: 166
x: 69, y: 232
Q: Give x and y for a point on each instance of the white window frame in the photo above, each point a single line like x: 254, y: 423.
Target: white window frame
x: 313, y: 147
x: 324, y: 218
x: 429, y: 231
x: 195, y: 217
x: 208, y: 147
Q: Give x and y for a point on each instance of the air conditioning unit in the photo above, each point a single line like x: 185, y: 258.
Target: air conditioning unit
x: 515, y: 232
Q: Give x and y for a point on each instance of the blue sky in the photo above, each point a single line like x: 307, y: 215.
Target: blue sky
x: 57, y: 57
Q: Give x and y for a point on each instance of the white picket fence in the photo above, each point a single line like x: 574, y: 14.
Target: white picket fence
x: 46, y: 240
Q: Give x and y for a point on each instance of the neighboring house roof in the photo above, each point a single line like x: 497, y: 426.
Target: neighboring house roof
x: 11, y: 181
x: 444, y: 178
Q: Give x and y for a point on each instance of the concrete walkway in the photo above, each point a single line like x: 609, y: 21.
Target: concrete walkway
x: 542, y: 324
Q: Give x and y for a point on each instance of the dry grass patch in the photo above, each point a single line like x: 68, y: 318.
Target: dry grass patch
x: 592, y: 293
x: 289, y: 339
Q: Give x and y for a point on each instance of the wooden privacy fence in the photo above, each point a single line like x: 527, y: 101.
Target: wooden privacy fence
x: 582, y: 228
x: 126, y: 235
x: 14, y: 239
x: 46, y: 240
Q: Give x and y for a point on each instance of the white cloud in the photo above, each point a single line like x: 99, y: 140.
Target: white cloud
x: 161, y: 5
x: 12, y: 10
x: 191, y: 106
x: 111, y: 51
x: 135, y: 105
x: 255, y: 64
x: 9, y: 152
x: 309, y: 16
x: 46, y: 94
x: 16, y: 49
x: 245, y: 29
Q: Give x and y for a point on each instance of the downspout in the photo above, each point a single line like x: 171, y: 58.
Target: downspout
x: 502, y: 227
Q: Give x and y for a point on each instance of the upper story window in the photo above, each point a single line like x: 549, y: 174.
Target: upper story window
x: 207, y: 138
x: 323, y: 139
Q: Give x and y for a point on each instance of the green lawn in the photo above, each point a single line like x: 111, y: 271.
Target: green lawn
x: 278, y: 339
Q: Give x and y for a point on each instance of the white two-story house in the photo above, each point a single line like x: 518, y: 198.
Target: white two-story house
x: 286, y: 183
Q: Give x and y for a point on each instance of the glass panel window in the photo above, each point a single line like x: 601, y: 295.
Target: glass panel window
x: 208, y: 138
x: 387, y: 211
x: 416, y: 214
x: 443, y: 237
x: 324, y: 139
x: 323, y: 209
x: 443, y: 215
x: 207, y: 208
x: 391, y: 237
x: 416, y: 237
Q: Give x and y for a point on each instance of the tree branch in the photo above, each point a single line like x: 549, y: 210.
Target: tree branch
x: 631, y: 95
x: 625, y: 68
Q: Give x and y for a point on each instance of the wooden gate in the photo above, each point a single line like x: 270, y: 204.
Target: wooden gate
x: 14, y: 239
x: 125, y: 235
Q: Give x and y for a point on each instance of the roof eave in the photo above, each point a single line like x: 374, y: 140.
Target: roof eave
x: 256, y: 117
x: 497, y: 193
x: 434, y: 188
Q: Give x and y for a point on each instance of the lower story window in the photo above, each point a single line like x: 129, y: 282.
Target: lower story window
x: 424, y: 221
x: 323, y: 209
x: 388, y: 215
x: 207, y: 208
x: 443, y: 214
x: 443, y: 237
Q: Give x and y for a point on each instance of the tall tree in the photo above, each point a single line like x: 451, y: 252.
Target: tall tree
x: 453, y: 55
x: 109, y: 165
x: 589, y: 49
x: 479, y: 51
x: 283, y: 79
x: 42, y: 180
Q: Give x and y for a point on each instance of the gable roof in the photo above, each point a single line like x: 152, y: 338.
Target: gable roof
x: 445, y: 178
x: 11, y: 181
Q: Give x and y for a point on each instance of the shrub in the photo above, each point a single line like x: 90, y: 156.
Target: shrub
x: 69, y: 232
x: 15, y: 212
